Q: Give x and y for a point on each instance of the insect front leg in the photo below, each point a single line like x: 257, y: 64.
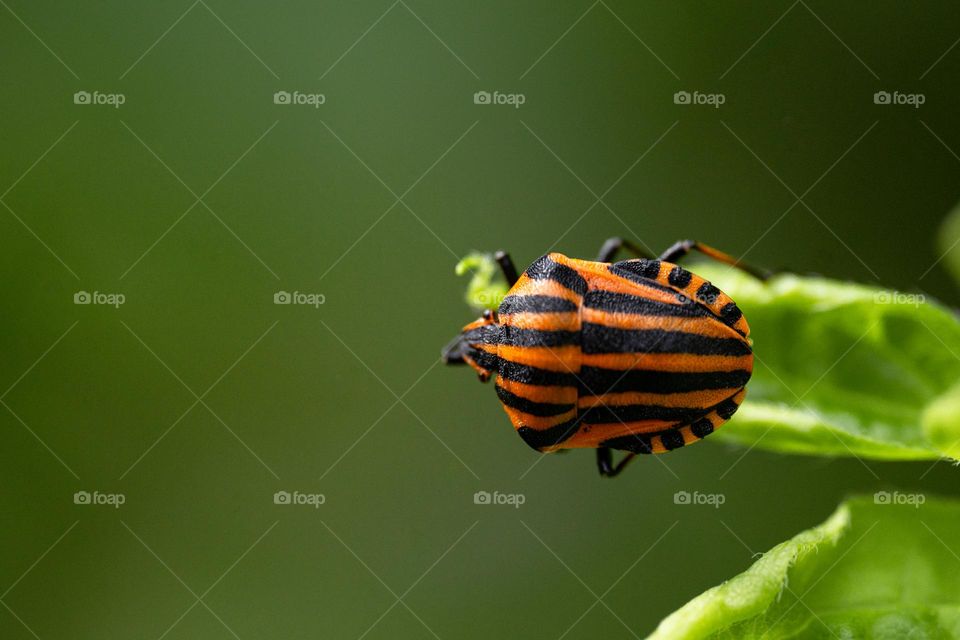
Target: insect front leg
x: 612, y: 247
x: 683, y: 247
x: 506, y: 265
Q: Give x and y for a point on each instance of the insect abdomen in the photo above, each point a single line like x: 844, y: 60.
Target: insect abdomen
x: 665, y: 358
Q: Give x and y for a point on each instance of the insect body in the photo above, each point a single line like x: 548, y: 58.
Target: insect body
x: 639, y: 355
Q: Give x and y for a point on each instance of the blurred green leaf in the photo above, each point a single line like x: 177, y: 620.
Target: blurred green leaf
x: 877, y: 568
x: 487, y: 286
x: 949, y: 242
x: 846, y: 369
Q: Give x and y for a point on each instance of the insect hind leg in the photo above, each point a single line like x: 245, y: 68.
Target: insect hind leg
x: 679, y: 249
x: 605, y: 462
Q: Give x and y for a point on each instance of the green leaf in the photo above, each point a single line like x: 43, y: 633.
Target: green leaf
x: 846, y: 369
x: 949, y: 242
x: 487, y: 286
x: 871, y: 571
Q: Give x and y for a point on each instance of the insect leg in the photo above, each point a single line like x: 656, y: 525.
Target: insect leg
x: 605, y: 462
x: 683, y: 247
x: 506, y: 265
x: 613, y: 245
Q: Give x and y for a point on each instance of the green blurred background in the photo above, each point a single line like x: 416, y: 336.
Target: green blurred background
x: 305, y: 199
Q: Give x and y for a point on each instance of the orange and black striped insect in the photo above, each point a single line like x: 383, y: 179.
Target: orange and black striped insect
x: 639, y: 355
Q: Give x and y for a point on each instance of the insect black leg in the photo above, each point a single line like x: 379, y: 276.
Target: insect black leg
x: 613, y: 246
x: 683, y: 247
x: 605, y: 462
x: 506, y: 265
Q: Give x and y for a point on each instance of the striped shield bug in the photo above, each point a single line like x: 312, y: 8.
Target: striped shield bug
x: 637, y: 355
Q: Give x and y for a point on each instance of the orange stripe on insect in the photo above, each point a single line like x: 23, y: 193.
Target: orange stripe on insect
x: 540, y: 393
x: 563, y: 359
x: 549, y: 321
x: 705, y: 326
x: 590, y: 436
x: 697, y: 399
x: 546, y: 288
x: 677, y: 362
x: 523, y: 419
